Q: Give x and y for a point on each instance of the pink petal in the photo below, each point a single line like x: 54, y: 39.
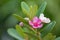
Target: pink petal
x: 31, y: 23
x: 35, y: 19
x: 39, y: 21
x: 39, y: 26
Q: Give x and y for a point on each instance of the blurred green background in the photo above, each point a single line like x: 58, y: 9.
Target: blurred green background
x: 9, y: 7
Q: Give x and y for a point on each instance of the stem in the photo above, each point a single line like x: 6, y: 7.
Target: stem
x: 26, y: 38
x: 38, y: 34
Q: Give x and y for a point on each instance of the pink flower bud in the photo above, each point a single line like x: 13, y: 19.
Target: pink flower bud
x: 21, y: 24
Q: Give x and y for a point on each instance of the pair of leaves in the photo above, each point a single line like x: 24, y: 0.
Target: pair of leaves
x: 17, y: 33
x: 29, y: 11
x: 32, y: 10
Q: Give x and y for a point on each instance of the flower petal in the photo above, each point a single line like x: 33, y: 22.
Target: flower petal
x: 35, y: 19
x: 39, y: 26
x: 47, y: 20
x: 44, y: 19
x: 31, y: 23
x: 41, y: 16
x: 26, y: 19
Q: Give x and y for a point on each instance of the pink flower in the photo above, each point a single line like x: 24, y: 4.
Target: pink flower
x: 36, y: 23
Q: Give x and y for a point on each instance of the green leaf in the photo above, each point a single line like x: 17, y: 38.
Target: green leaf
x: 31, y: 35
x: 47, y: 28
x: 30, y: 28
x: 20, y: 31
x: 49, y: 36
x: 58, y: 38
x: 14, y: 33
x: 25, y: 9
x: 33, y: 10
x: 41, y: 8
x: 20, y: 18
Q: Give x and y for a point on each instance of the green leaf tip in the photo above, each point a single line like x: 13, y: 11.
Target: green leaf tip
x: 19, y: 18
x: 41, y: 8
x: 25, y: 6
x: 25, y: 9
x: 20, y: 31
